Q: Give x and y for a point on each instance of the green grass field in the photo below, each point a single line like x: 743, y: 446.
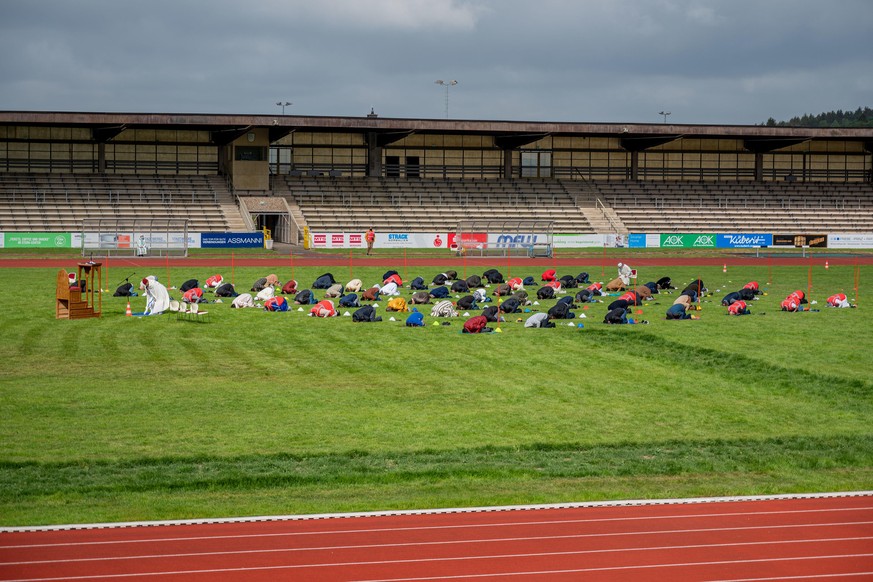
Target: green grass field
x: 255, y: 413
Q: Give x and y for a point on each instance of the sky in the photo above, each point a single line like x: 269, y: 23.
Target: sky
x: 612, y: 61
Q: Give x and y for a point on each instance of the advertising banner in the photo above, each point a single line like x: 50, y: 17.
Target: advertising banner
x: 744, y: 241
x: 385, y: 240
x: 687, y: 241
x: 413, y: 240
x: 850, y: 241
x: 472, y: 240
x: 636, y: 241
x: 800, y: 240
x: 577, y: 241
x: 212, y: 240
x: 40, y: 240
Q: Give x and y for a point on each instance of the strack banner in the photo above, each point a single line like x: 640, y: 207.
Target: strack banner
x: 384, y: 240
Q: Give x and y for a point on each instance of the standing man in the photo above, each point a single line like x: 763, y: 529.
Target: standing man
x: 370, y: 238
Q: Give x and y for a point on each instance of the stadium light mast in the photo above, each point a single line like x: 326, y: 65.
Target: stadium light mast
x: 665, y: 114
x: 283, y: 104
x: 446, y: 84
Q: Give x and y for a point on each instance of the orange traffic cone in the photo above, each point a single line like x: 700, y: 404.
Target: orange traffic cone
x: 127, y: 311
x: 826, y: 265
x: 724, y: 268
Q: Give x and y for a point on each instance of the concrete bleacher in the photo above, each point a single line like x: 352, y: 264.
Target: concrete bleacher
x: 60, y: 202
x: 778, y: 207
x: 431, y: 205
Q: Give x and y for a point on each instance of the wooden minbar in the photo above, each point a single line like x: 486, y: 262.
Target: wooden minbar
x: 81, y: 298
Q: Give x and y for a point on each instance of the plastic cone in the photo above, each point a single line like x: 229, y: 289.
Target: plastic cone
x: 127, y: 311
x: 724, y: 268
x: 826, y: 265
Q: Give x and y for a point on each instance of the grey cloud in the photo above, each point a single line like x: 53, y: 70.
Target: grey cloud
x: 709, y: 62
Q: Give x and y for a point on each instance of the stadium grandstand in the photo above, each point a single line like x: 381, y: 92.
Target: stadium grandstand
x: 293, y: 174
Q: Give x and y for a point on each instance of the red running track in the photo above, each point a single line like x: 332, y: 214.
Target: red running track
x: 434, y: 261
x: 826, y: 537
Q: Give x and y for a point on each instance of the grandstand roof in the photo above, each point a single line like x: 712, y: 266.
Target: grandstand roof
x: 508, y: 134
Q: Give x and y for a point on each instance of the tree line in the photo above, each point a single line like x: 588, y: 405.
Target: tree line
x: 861, y: 117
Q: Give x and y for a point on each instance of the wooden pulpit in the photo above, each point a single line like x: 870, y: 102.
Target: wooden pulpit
x: 81, y: 298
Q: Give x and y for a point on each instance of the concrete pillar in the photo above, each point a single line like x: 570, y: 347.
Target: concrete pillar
x: 635, y: 165
x: 759, y: 167
x: 507, y: 163
x: 374, y: 156
x: 101, y: 158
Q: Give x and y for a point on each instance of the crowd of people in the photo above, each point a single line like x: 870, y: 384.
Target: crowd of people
x: 494, y: 299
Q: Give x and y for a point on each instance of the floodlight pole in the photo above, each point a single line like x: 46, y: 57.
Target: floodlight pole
x: 283, y: 104
x: 665, y: 114
x: 446, y: 84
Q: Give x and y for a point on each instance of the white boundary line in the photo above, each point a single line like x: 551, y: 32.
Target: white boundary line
x: 316, y: 516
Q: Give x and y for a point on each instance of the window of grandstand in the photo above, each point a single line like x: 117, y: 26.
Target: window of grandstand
x: 392, y: 166
x: 536, y: 164
x: 251, y: 153
x: 281, y: 160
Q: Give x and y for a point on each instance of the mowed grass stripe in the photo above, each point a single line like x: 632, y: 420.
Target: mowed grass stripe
x: 540, y: 461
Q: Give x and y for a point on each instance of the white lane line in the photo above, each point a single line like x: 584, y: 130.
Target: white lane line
x: 439, y: 527
x: 414, y: 561
x: 451, y: 510
x: 453, y: 542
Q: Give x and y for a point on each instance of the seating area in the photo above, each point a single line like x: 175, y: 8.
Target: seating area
x: 60, y: 202
x: 385, y: 204
x: 778, y: 207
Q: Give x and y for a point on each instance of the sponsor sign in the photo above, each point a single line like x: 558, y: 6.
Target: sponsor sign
x: 688, y: 241
x: 513, y: 241
x: 636, y: 241
x: 41, y: 240
x: 209, y: 240
x: 388, y: 240
x: 744, y: 241
x: 394, y: 240
x: 850, y: 241
x: 578, y: 241
x: 473, y: 240
x: 800, y: 240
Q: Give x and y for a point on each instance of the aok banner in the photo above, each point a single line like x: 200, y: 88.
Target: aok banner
x: 688, y: 241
